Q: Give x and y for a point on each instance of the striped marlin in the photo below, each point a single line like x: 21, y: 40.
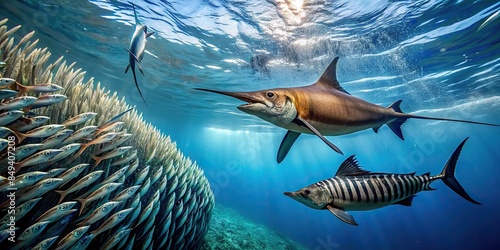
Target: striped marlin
x: 323, y: 108
x: 355, y: 189
x: 137, y: 48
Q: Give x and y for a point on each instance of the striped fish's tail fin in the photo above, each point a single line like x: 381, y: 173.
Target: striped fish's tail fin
x: 448, y: 174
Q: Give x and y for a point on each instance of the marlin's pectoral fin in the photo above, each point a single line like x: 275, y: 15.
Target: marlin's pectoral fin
x: 149, y: 34
x: 135, y: 57
x: 303, y: 122
x: 126, y: 69
x: 342, y: 215
x: 286, y: 144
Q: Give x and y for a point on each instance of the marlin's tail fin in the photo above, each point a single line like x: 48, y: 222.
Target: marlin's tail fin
x: 448, y: 174
x: 395, y: 125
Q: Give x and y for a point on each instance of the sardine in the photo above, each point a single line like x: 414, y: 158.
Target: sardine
x: 85, y: 181
x: 79, y: 119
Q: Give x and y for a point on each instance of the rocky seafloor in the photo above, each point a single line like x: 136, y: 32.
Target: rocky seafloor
x: 230, y: 230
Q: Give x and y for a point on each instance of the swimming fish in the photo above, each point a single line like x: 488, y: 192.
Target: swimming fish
x: 10, y: 116
x: 17, y: 103
x: 79, y: 119
x: 33, y: 122
x: 37, y: 158
x: 56, y: 139
x: 44, y: 131
x: 137, y: 48
x: 47, y: 100
x: 79, y: 134
x: 71, y: 238
x: 71, y: 173
x: 355, y: 189
x: 23, y: 180
x: 57, y: 212
x: 323, y: 108
x: 112, y: 221
x: 83, y: 182
x: 45, y: 244
x: 7, y: 93
x: 38, y: 88
x: 33, y: 230
x: 99, y: 193
x: 116, y: 152
x: 100, y: 212
x: 6, y: 81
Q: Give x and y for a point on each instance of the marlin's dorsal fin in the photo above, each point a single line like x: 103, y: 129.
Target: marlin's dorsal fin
x: 329, y: 77
x: 350, y: 167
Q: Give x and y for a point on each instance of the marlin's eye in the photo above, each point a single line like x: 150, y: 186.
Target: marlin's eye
x: 270, y: 94
x: 307, y: 191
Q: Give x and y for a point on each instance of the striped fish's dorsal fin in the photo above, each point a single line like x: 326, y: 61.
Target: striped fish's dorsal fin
x: 350, y: 167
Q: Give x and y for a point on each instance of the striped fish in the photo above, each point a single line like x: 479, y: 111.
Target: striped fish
x: 355, y: 189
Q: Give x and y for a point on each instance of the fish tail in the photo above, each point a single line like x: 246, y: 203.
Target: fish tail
x: 21, y: 89
x: 82, y: 148
x: 62, y: 193
x: 20, y: 136
x: 17, y: 167
x: 395, y: 125
x: 97, y: 161
x: 395, y: 107
x: 83, y: 201
x: 448, y: 174
x: 137, y: 85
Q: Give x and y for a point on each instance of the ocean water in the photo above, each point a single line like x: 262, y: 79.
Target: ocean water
x: 440, y: 57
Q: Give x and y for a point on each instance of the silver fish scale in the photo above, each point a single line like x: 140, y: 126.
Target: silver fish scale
x: 174, y: 181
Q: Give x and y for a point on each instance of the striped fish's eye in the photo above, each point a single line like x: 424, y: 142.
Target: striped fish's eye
x: 46, y: 153
x: 307, y: 191
x: 29, y: 177
x: 104, y: 209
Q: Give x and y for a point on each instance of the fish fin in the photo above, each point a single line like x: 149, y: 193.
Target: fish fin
x: 329, y: 77
x: 395, y: 125
x: 127, y: 68
x: 83, y: 201
x: 17, y: 167
x: 405, y: 202
x: 140, y: 68
x: 303, y: 122
x: 137, y: 85
x: 286, y: 144
x: 342, y: 215
x: 350, y: 167
x: 62, y: 193
x: 448, y: 174
x: 148, y: 34
x: 20, y: 136
x: 21, y: 89
x: 135, y: 57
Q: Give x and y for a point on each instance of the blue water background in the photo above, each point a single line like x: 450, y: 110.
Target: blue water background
x: 430, y: 54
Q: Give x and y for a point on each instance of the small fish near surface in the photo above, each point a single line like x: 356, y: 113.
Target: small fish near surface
x: 355, y: 189
x: 137, y: 48
x: 323, y: 108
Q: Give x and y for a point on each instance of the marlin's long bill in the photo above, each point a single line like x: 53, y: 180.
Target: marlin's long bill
x: 355, y: 189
